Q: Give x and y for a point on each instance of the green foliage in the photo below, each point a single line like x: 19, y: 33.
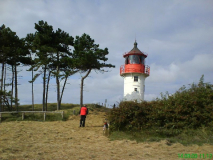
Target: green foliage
x: 97, y: 108
x: 32, y: 117
x: 51, y: 107
x: 185, y: 117
x: 186, y: 137
x: 6, y: 99
x: 12, y: 49
x: 67, y: 108
x: 88, y: 55
x: 48, y: 52
x: 187, y: 108
x: 13, y: 52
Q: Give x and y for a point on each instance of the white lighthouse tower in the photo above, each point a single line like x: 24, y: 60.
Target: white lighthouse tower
x: 134, y: 72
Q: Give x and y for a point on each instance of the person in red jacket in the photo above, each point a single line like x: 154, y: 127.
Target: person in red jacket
x: 83, y: 113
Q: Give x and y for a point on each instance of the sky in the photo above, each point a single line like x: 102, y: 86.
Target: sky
x: 177, y: 36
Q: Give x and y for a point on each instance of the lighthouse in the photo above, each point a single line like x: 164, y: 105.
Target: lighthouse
x: 134, y: 73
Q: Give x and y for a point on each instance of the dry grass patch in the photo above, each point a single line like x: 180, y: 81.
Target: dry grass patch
x: 65, y: 140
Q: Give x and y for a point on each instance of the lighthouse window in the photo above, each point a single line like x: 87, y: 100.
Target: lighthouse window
x: 135, y: 78
x: 142, y: 59
x: 136, y: 89
x: 135, y: 59
x: 127, y: 60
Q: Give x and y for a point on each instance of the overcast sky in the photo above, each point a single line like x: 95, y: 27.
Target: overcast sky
x: 177, y: 35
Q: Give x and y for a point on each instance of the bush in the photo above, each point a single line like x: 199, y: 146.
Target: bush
x: 187, y: 108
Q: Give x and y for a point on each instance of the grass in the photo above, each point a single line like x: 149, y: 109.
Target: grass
x: 69, y: 109
x: 186, y: 137
x: 31, y: 117
x: 50, y: 107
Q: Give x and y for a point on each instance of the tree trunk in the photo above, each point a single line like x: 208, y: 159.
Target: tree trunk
x: 82, y: 87
x: 48, y: 80
x: 32, y: 66
x: 32, y: 92
x: 58, y: 93
x: 63, y: 90
x: 4, y: 84
x: 2, y: 77
x: 12, y: 83
x: 44, y: 87
x: 58, y: 83
x: 5, y: 74
x: 16, y: 89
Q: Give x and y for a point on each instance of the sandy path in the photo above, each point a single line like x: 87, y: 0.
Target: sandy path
x: 65, y: 140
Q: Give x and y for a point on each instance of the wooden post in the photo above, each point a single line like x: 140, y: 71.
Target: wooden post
x: 62, y: 114
x: 44, y: 116
x: 0, y: 117
x: 73, y: 112
x: 22, y: 116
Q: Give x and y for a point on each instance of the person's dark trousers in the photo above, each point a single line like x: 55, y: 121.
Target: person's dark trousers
x: 82, y: 121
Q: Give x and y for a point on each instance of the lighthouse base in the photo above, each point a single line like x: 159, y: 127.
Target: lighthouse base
x: 133, y: 97
x: 134, y: 87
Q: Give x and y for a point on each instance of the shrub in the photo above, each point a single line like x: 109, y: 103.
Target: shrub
x: 187, y: 108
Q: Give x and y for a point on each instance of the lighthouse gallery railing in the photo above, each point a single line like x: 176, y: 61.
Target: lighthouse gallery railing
x: 134, y: 70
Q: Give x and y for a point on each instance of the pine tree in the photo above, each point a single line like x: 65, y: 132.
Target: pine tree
x: 89, y: 57
x: 13, y: 52
x: 53, y: 55
x: 44, y: 45
x: 62, y: 43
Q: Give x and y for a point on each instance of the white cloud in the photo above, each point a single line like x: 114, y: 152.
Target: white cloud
x: 188, y: 70
x: 201, y: 64
x: 163, y: 74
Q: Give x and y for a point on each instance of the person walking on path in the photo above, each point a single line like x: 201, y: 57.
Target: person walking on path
x: 83, y: 113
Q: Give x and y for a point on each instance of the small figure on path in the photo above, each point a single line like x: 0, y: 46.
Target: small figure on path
x: 83, y: 113
x: 106, y: 128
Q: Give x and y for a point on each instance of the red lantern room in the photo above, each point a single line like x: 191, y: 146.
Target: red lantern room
x: 135, y: 62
